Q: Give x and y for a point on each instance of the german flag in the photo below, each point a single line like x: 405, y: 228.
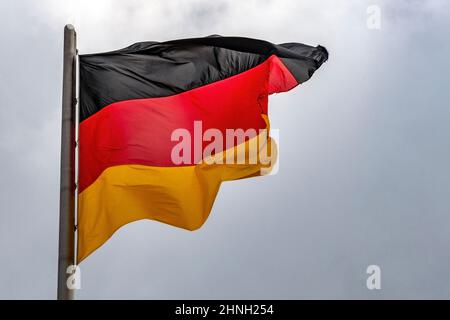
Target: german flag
x: 151, y: 117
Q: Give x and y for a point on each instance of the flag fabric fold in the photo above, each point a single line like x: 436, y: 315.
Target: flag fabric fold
x: 139, y: 106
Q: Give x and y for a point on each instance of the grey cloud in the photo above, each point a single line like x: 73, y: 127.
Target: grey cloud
x: 364, y: 175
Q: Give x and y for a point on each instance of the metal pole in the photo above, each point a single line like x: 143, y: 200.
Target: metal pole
x: 67, y: 188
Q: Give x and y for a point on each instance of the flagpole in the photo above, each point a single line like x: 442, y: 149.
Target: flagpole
x: 66, y: 254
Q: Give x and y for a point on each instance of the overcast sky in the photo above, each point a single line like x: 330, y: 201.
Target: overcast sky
x: 364, y: 174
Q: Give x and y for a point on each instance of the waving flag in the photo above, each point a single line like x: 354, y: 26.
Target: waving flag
x: 139, y: 107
